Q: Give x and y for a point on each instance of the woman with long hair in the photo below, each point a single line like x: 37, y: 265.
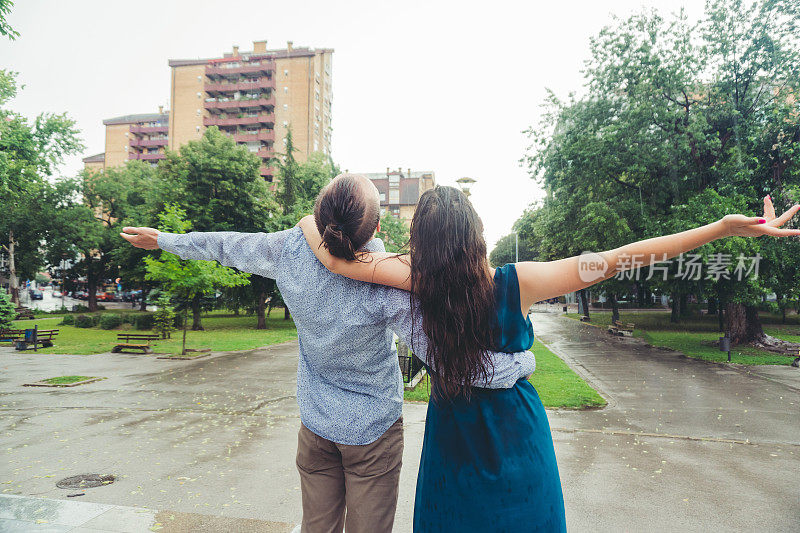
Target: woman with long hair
x: 488, y: 462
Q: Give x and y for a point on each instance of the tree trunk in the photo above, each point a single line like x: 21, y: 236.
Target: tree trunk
x: 285, y: 312
x: 684, y: 310
x: 260, y: 308
x: 583, y: 294
x: 185, y: 322
x: 614, y: 306
x: 641, y: 296
x: 712, y: 306
x: 196, y: 324
x: 143, y: 303
x: 91, y: 284
x: 783, y: 314
x: 13, y: 281
x: 675, y: 303
x: 743, y: 324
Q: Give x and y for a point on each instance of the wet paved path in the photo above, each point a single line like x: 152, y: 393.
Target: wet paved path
x: 683, y: 445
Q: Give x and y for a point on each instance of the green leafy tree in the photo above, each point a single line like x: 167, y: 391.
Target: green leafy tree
x: 5, y: 29
x: 189, y: 280
x: 217, y: 184
x: 394, y: 233
x: 29, y: 153
x: 509, y: 248
x: 7, y: 312
x: 673, y: 110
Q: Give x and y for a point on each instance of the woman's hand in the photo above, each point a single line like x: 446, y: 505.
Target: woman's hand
x: 769, y: 224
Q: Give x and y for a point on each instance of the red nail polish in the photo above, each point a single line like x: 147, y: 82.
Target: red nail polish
x: 762, y: 221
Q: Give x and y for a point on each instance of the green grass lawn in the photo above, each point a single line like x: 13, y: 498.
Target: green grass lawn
x: 558, y: 386
x: 223, y: 332
x: 66, y: 380
x: 694, y: 336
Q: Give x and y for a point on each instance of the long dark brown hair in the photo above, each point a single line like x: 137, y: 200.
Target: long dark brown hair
x: 452, y: 283
x: 346, y: 216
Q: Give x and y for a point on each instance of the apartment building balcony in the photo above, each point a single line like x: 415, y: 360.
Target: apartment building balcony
x: 267, y: 172
x: 145, y: 157
x: 262, y: 83
x: 244, y: 103
x: 264, y: 67
x: 149, y: 142
x: 266, y: 119
x: 266, y: 153
x: 261, y: 135
x: 142, y: 130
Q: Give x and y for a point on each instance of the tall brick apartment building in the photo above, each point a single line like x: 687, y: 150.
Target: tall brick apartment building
x: 253, y: 96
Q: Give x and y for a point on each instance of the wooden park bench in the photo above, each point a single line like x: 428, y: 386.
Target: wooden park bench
x: 134, y: 341
x: 33, y: 339
x: 11, y: 335
x: 620, y: 328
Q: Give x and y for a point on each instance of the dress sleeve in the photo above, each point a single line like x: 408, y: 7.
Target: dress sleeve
x: 257, y: 253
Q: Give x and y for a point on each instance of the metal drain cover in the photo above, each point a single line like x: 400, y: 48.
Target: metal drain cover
x: 85, y: 481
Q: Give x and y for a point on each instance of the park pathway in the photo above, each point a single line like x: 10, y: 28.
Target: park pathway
x: 683, y: 444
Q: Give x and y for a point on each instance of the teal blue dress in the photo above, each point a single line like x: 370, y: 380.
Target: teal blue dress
x: 488, y: 463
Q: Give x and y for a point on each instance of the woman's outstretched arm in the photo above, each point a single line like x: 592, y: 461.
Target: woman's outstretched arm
x: 382, y: 268
x: 542, y: 280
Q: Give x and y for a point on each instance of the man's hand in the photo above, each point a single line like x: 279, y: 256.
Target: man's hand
x: 146, y: 238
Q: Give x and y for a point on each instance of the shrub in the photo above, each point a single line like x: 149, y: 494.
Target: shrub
x: 83, y: 321
x: 164, y: 317
x: 96, y: 319
x: 79, y: 308
x: 67, y: 320
x: 110, y: 321
x: 145, y: 321
x: 7, y: 313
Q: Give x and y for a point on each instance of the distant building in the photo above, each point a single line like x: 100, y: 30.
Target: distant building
x: 400, y: 191
x: 252, y: 96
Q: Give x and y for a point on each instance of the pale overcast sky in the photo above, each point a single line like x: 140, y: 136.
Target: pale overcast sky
x: 446, y: 86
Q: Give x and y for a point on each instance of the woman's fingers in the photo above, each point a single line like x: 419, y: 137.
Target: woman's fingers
x: 779, y: 232
x: 784, y: 218
x: 769, y: 208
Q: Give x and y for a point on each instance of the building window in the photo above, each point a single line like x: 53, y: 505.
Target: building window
x: 286, y: 72
x: 394, y: 196
x: 286, y: 89
x: 198, y: 128
x: 394, y: 178
x: 383, y: 199
x: 198, y: 112
x: 286, y: 106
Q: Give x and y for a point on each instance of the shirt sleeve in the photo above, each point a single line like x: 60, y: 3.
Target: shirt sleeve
x: 257, y: 253
x: 508, y: 367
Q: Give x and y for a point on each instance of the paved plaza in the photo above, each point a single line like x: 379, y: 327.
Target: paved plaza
x: 208, y: 445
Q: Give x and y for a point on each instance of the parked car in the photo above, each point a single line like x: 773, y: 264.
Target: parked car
x: 36, y: 294
x: 56, y: 294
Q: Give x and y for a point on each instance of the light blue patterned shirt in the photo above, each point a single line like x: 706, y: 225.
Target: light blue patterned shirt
x: 349, y: 386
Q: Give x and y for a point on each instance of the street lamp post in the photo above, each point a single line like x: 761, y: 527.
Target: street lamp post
x: 465, y: 184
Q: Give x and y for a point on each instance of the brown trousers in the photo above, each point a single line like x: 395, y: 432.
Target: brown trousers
x: 361, y: 480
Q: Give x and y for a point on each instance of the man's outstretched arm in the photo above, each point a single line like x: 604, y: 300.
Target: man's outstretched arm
x: 257, y: 253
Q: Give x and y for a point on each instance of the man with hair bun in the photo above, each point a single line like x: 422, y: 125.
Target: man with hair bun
x: 349, y: 386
